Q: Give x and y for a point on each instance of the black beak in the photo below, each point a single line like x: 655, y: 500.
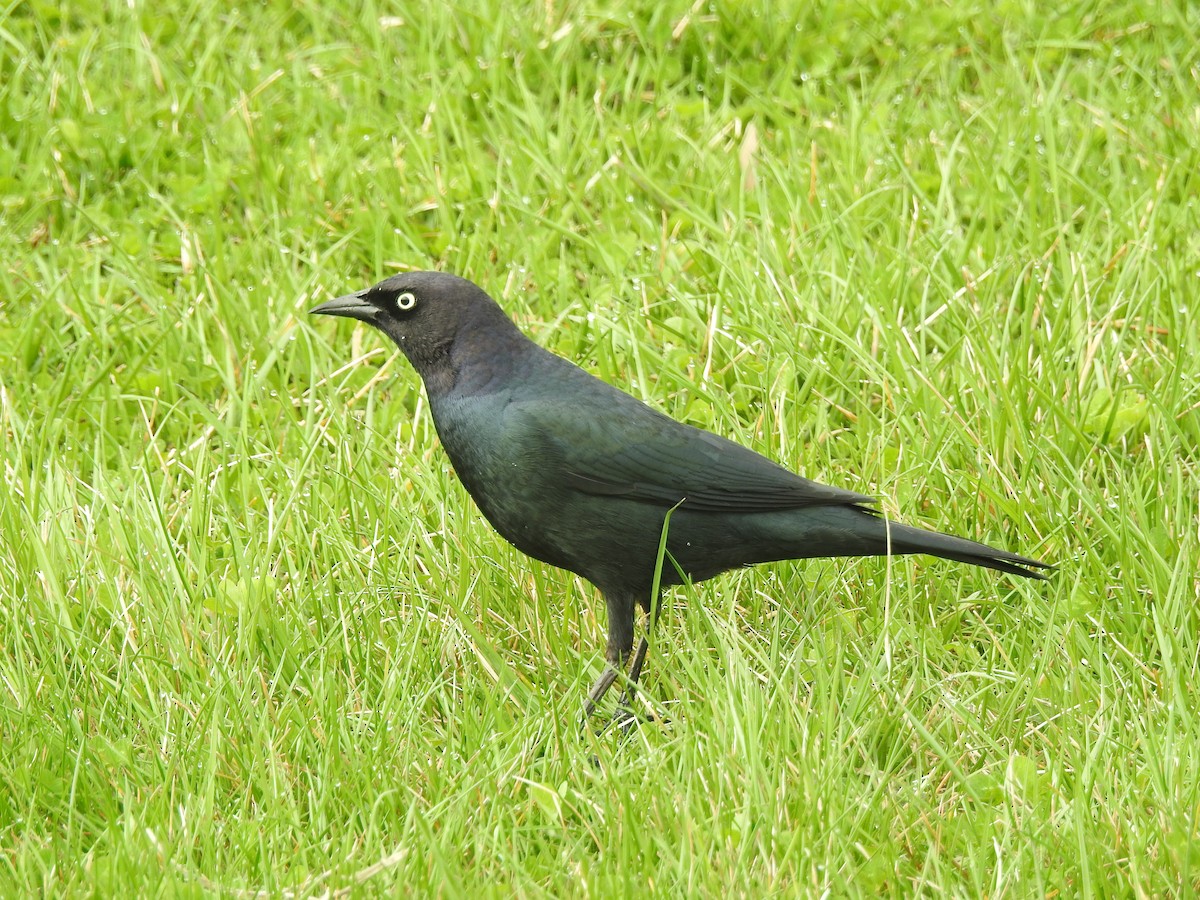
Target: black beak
x: 352, y: 306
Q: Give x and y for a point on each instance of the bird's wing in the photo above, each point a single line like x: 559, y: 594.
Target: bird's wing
x: 626, y: 449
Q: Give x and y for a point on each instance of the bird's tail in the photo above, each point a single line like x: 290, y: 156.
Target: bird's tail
x: 906, y: 539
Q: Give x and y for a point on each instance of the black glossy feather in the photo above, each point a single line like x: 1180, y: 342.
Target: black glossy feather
x: 574, y: 472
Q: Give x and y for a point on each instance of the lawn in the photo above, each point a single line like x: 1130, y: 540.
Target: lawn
x: 254, y: 635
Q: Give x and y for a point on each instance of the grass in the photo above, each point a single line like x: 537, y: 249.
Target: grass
x: 255, y: 637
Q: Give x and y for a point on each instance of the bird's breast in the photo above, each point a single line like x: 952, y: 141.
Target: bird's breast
x: 507, y: 470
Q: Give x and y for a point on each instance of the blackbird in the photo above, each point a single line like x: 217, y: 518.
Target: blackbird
x: 581, y: 475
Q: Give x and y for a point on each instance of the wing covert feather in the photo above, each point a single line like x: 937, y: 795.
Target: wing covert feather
x: 632, y: 451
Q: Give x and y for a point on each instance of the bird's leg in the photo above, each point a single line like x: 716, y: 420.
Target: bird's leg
x: 624, y: 716
x: 599, y: 689
x: 620, y: 642
x: 635, y: 669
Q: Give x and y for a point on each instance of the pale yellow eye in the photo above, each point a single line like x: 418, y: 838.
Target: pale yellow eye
x: 406, y: 301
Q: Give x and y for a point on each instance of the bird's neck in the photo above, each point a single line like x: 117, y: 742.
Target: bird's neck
x: 486, y: 353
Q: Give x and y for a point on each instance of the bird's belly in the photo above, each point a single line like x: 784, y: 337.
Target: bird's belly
x: 602, y: 539
x: 511, y: 488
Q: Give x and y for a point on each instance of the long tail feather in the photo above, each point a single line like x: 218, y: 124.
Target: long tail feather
x: 906, y: 539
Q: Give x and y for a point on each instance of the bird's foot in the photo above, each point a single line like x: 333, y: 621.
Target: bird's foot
x: 626, y: 718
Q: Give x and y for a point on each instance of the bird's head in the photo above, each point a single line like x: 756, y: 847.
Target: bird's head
x: 425, y: 313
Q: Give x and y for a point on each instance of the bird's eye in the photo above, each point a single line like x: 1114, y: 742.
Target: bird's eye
x: 406, y: 301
